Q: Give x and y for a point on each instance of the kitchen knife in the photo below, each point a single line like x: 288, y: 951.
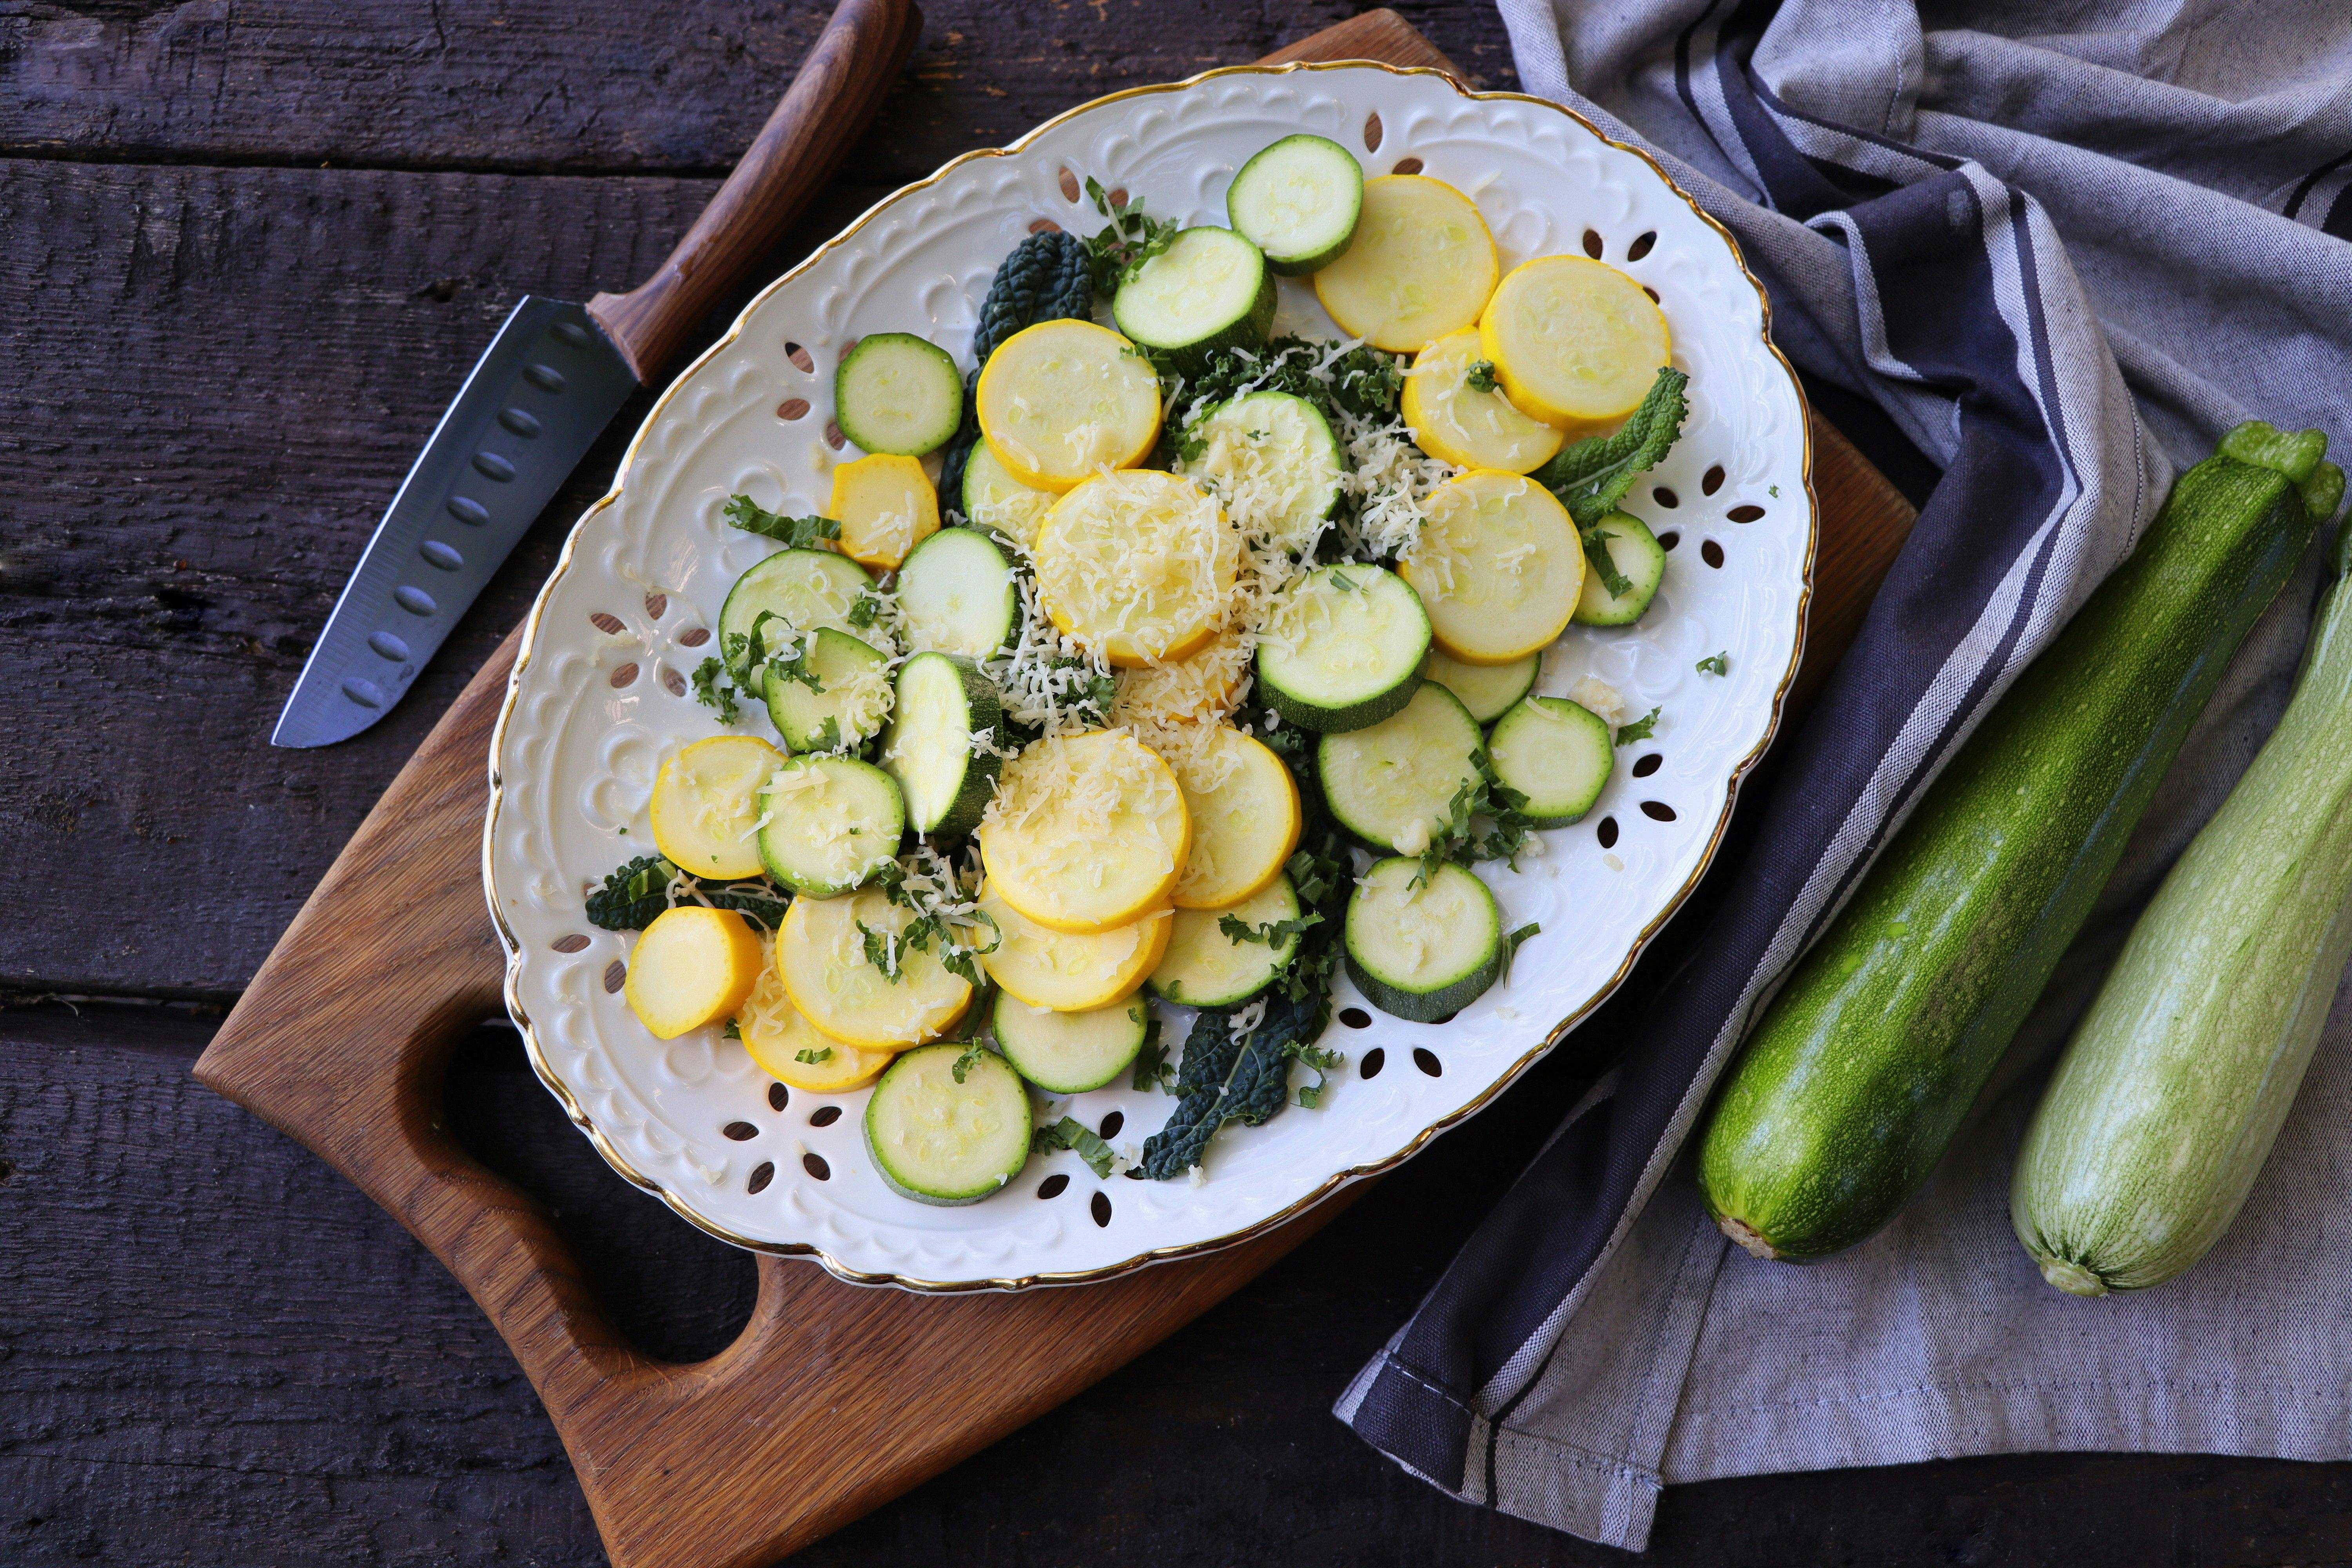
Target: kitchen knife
x: 553, y: 378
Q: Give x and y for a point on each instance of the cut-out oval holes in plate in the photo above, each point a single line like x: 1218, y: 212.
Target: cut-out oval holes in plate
x: 1354, y: 1017
x: 1647, y: 764
x: 833, y: 437
x: 1745, y: 513
x: 1099, y: 1207
x: 813, y: 1164
x: 1426, y: 1060
x: 1664, y: 497
x: 1044, y: 225
x: 694, y: 636
x: 1408, y: 166
x: 1055, y: 1186
x: 779, y: 1097
x: 1657, y: 811
x: 1374, y: 1060
x: 1641, y: 245
x: 824, y: 1116
x: 1652, y: 293
x: 674, y: 683
x: 656, y: 605
x: 572, y: 943
x: 1593, y: 244
x: 624, y: 675
x: 1669, y: 539
x: 738, y: 1132
x: 1711, y: 553
x: 761, y: 1174
x: 1112, y: 1123
x: 1606, y: 833
x: 616, y: 974
x: 1069, y: 184
x: 792, y: 408
x: 1713, y: 482
x: 803, y: 361
x: 1372, y: 132
x: 611, y: 625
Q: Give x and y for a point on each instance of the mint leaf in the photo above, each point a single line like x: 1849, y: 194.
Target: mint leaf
x: 1593, y: 476
x: 796, y: 532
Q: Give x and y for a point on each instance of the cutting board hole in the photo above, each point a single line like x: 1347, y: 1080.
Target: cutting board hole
x: 1099, y: 1207
x: 674, y: 1292
x: 1374, y: 1060
x: 1426, y: 1059
x: 824, y: 1116
x: 1055, y: 1186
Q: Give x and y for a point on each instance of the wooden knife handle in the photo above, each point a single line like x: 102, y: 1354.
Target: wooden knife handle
x: 821, y: 117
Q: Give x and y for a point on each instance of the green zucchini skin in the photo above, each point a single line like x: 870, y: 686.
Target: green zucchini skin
x: 2166, y: 1103
x: 1868, y: 1060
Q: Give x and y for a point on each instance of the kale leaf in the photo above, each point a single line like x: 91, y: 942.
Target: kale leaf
x: 634, y: 894
x: 1049, y: 275
x: 1364, y: 382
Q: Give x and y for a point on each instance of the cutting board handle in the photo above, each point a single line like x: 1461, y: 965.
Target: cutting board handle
x: 818, y: 121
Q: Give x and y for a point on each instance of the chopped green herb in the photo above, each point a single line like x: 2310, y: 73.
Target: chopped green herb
x: 1480, y: 376
x: 809, y: 1057
x: 1715, y: 664
x: 1118, y: 251
x: 1773, y: 490
x: 797, y: 532
x: 1511, y: 947
x: 1345, y: 584
x: 970, y: 1059
x: 714, y: 691
x: 864, y: 608
x: 882, y: 950
x: 1639, y: 730
x: 1151, y: 1068
x: 733, y: 1031
x: 1603, y: 564
x: 1071, y: 1133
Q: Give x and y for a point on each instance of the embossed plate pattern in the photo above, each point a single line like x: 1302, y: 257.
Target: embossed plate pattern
x: 600, y: 694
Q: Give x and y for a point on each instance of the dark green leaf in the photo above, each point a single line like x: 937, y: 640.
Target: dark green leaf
x: 882, y: 952
x: 1639, y: 730
x: 1715, y: 664
x: 714, y: 691
x: 1593, y: 476
x: 1071, y: 1133
x: 811, y: 1056
x: 1602, y: 564
x: 966, y: 1062
x: 1480, y: 376
x: 634, y: 895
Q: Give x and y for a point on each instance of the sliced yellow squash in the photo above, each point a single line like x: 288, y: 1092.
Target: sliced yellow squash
x: 1457, y: 422
x: 1574, y: 341
x: 1202, y: 688
x: 1420, y: 266
x: 821, y: 952
x: 1062, y: 401
x: 1085, y: 832
x: 1498, y: 566
x: 692, y: 966
x: 886, y: 505
x: 1138, y: 565
x: 995, y: 500
x: 1244, y: 809
x: 1066, y: 972
x: 706, y: 806
x: 794, y: 1051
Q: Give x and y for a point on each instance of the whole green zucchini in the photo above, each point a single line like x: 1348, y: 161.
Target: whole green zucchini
x: 1868, y: 1060
x: 2167, y: 1100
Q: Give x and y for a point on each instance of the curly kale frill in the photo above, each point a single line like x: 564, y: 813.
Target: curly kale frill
x: 1048, y: 277
x: 634, y: 894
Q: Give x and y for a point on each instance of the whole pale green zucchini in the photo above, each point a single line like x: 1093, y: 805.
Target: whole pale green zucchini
x: 2167, y: 1100
x: 1863, y: 1067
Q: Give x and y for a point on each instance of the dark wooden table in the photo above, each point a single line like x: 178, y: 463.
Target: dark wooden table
x: 248, y: 249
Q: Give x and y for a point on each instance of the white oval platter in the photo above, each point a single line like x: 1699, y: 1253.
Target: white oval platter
x: 599, y: 694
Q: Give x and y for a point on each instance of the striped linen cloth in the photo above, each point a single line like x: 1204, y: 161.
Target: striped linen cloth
x: 2063, y: 245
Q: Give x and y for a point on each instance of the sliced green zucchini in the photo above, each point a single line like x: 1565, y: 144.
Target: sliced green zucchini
x: 937, y: 1140
x: 957, y: 595
x: 803, y: 588
x: 1210, y: 289
x: 1070, y: 1053
x: 943, y: 702
x: 1343, y: 649
x: 1637, y: 554
x: 896, y: 394
x: 828, y: 823
x: 1557, y: 753
x: 1423, y: 950
x: 1271, y: 458
x: 995, y: 500
x: 1392, y: 783
x: 1205, y: 966
x: 1486, y: 689
x: 1298, y: 201
x: 837, y: 698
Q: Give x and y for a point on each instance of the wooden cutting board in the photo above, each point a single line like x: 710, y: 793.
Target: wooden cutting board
x: 835, y: 1398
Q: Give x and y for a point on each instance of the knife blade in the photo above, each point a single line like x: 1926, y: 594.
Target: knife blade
x: 534, y: 404
x: 553, y: 380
